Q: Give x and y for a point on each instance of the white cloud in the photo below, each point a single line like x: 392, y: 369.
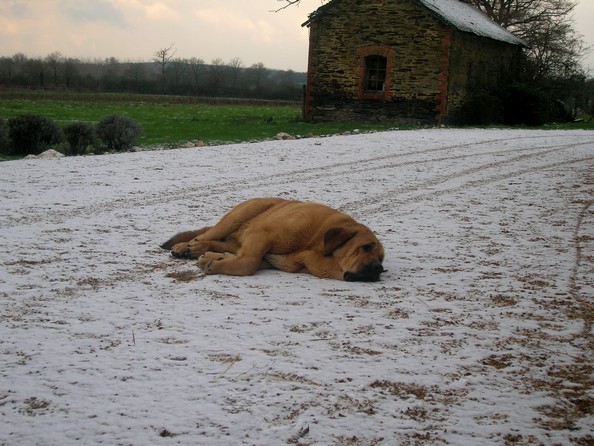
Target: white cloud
x: 18, y: 9
x: 221, y: 21
x: 93, y: 11
x: 152, y: 10
x: 9, y: 27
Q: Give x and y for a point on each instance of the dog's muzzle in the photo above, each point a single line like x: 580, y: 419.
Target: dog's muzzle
x: 368, y: 273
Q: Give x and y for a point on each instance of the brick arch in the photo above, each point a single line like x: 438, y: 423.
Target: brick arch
x: 374, y: 50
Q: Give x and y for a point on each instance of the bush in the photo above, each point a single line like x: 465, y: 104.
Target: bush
x: 79, y: 137
x: 516, y: 104
x: 33, y: 134
x: 523, y: 104
x: 529, y: 105
x: 118, y: 133
x: 4, y: 140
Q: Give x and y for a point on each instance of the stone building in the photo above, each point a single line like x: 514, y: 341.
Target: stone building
x: 399, y: 60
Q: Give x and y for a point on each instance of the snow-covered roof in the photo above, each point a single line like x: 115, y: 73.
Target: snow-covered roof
x: 467, y: 18
x: 462, y: 16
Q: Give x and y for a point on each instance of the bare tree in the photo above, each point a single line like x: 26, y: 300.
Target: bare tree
x: 216, y: 74
x: 288, y: 3
x: 34, y: 69
x: 53, y: 61
x: 7, y: 66
x: 162, y: 57
x: 196, y: 67
x: 555, y: 48
x: 135, y: 76
x: 520, y: 15
x: 110, y: 73
x: 258, y: 74
x: 235, y: 67
x: 17, y: 65
x: 556, y: 51
x: 70, y: 71
x: 179, y: 70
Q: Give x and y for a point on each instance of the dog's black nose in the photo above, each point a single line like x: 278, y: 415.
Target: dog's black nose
x: 368, y: 273
x: 377, y: 268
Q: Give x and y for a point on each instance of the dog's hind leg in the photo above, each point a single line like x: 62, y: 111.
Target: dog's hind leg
x: 195, y: 248
x: 183, y: 245
x: 218, y: 238
x: 230, y: 264
x: 237, y: 216
x: 248, y: 259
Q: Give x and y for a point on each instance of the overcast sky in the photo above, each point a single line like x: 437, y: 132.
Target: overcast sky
x: 207, y: 29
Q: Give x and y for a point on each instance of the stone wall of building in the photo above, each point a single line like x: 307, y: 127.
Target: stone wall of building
x: 478, y: 66
x: 427, y: 62
x: 410, y: 31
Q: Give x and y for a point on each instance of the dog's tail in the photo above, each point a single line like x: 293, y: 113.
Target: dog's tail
x: 182, y: 237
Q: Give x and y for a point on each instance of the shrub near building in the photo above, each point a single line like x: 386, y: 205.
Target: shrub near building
x: 4, y: 141
x: 118, y: 133
x: 80, y: 136
x: 33, y: 134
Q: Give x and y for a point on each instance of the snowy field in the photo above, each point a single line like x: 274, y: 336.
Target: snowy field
x: 480, y: 333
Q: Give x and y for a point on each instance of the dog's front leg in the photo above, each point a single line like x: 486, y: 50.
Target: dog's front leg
x: 230, y: 264
x: 324, y: 267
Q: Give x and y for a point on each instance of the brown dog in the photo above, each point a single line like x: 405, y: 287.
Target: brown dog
x: 292, y: 236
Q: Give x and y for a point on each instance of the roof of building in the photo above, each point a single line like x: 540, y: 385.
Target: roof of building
x: 462, y: 16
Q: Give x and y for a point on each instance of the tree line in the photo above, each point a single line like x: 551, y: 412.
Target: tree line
x: 164, y: 74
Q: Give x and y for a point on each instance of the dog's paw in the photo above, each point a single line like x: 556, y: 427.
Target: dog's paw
x: 208, y: 260
x: 196, y: 249
x: 181, y: 251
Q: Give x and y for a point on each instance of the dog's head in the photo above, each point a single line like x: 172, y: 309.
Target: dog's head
x: 358, y: 252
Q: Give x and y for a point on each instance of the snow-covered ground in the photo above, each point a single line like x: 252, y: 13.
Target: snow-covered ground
x: 480, y: 333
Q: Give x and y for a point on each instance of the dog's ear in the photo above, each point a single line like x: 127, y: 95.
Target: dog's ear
x: 335, y: 238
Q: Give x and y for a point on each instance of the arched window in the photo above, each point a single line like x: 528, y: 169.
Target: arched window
x: 375, y: 73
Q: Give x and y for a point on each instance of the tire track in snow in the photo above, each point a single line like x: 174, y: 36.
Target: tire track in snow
x: 372, y: 164
x: 581, y: 241
x: 420, y: 192
x: 355, y: 167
